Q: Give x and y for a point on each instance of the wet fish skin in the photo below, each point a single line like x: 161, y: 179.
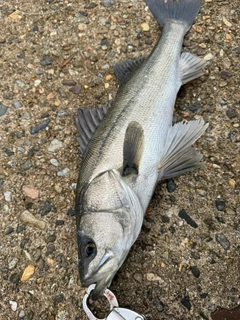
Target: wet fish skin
x: 133, y: 146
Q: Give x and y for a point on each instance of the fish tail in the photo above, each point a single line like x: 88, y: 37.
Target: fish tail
x: 182, y: 10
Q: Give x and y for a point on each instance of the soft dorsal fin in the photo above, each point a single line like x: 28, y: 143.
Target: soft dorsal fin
x: 87, y: 121
x: 191, y: 66
x: 126, y: 68
x: 132, y: 148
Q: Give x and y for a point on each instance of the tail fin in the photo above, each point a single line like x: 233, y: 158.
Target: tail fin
x: 180, y: 10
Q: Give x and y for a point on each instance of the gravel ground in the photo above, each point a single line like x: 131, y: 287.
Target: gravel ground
x: 58, y: 55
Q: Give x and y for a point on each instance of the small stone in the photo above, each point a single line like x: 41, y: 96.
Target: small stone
x: 39, y: 127
x: 13, y: 305
x: 158, y: 304
x: 37, y: 83
x: 46, y: 207
x: 8, y: 152
x: 237, y: 50
x: 54, y: 162
x: 28, y: 272
x: 154, y: 277
x: 9, y: 231
x: 106, y: 85
x: 226, y: 63
x: 27, y: 165
x: 201, y: 192
x: 46, y: 62
x: 28, y: 218
x: 220, y: 205
x: 12, y: 262
x: 62, y: 315
x: 7, y: 196
x: 55, y: 145
x: 82, y: 26
x: 222, y: 240
x: 58, y: 298
x: 225, y: 75
x: 232, y: 182
x: 226, y: 22
x: 63, y: 173
x: 51, y: 238
x: 20, y: 84
x: 58, y: 188
x: 3, y: 109
x: 108, y: 77
x: 50, y: 249
x: 145, y: 27
x: 138, y: 277
x: 195, y: 255
x: 75, y: 89
x: 21, y: 314
x: 195, y: 271
x: 171, y: 185
x: 17, y: 104
x: 220, y: 219
x: 59, y: 222
x: 194, y: 107
x: 231, y: 113
x: 108, y: 3
x: 183, y: 214
x: 71, y: 212
x: 69, y: 83
x: 186, y: 302
x: 62, y: 113
x: 20, y: 229
x: 14, y: 278
x: 31, y: 192
x: 208, y: 56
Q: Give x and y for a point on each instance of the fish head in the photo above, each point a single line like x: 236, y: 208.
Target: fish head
x: 111, y: 219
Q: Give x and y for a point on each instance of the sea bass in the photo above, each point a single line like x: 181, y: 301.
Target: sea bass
x: 130, y: 144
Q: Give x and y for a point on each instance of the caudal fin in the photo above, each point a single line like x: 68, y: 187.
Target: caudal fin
x: 181, y: 10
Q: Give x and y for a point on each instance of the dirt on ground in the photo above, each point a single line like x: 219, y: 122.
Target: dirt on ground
x: 58, y: 55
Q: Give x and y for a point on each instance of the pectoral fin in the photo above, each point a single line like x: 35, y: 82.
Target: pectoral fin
x: 191, y: 66
x: 132, y: 148
x: 87, y: 121
x: 125, y: 69
x: 180, y: 156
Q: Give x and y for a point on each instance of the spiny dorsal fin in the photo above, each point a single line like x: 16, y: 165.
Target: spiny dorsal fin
x: 191, y: 66
x: 132, y: 148
x: 125, y: 69
x: 87, y: 121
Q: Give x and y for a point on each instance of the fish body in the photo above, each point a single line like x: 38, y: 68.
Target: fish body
x: 130, y: 145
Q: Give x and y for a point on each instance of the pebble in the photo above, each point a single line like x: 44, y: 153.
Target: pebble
x: 12, y: 262
x: 28, y: 272
x: 226, y: 22
x: 21, y: 314
x: 62, y: 315
x: 201, y: 192
x: 46, y: 207
x: 183, y: 214
x: 3, y: 109
x: 29, y: 218
x: 59, y: 222
x: 186, y: 302
x: 39, y: 127
x: 145, y: 27
x: 20, y: 84
x: 7, y: 196
x: 14, y: 278
x: 75, y: 89
x: 225, y: 75
x: 8, y: 152
x: 17, y: 104
x: 26, y: 165
x: 37, y: 82
x: 195, y: 271
x: 226, y: 63
x: 208, y: 56
x: 73, y: 186
x: 222, y: 240
x: 108, y: 3
x: 71, y: 212
x: 9, y: 231
x: 237, y: 50
x: 62, y: 113
x: 31, y: 192
x: 194, y: 107
x: 54, y: 162
x: 158, y: 304
x: 220, y: 219
x: 26, y: 116
x: 20, y: 229
x: 50, y: 249
x: 138, y: 277
x: 154, y: 277
x: 171, y: 185
x: 46, y: 62
x: 58, y: 188
x: 8, y: 96
x: 231, y: 113
x: 13, y: 305
x: 63, y: 173
x: 220, y: 205
x: 232, y: 182
x: 55, y: 145
x: 82, y: 26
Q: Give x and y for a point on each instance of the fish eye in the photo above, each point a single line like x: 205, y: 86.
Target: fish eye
x: 88, y: 249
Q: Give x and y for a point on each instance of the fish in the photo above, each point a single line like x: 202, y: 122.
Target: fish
x: 130, y: 144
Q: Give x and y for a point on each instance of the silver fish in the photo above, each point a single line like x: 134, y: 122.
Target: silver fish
x: 130, y: 144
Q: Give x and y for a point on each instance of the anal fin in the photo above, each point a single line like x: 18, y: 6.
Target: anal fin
x: 132, y: 148
x: 180, y: 156
x: 87, y: 121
